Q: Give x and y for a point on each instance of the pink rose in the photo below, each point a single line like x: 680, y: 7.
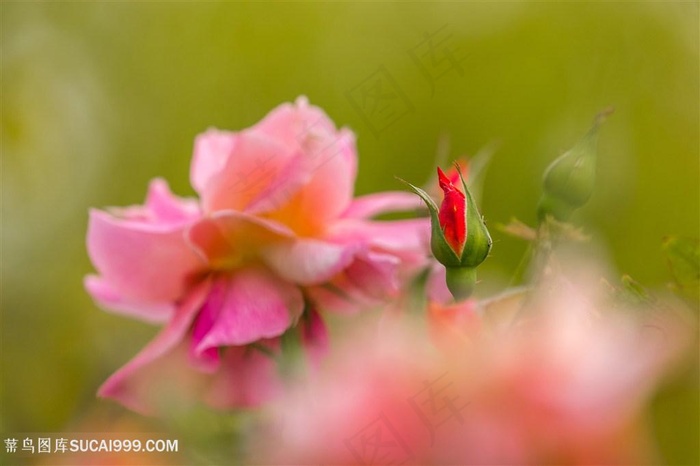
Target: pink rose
x: 275, y: 233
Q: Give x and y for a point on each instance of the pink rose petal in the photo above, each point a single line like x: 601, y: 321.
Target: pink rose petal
x: 330, y: 189
x: 167, y: 208
x: 375, y: 274
x: 308, y: 261
x: 254, y: 163
x: 294, y: 123
x: 111, y: 300
x: 124, y: 385
x: 212, y: 150
x: 151, y: 264
x: 226, y: 238
x: 256, y: 305
x: 407, y: 239
x: 248, y: 377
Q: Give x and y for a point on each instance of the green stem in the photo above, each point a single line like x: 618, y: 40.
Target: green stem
x: 461, y: 281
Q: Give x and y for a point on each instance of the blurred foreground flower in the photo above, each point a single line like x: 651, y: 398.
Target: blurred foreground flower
x: 275, y: 236
x: 565, y: 384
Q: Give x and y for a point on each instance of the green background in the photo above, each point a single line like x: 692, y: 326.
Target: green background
x: 98, y: 98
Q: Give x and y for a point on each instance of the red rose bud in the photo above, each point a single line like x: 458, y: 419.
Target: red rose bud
x: 460, y: 239
x: 570, y: 179
x: 456, y: 171
x: 453, y: 214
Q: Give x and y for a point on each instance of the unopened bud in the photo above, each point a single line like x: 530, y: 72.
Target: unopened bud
x: 570, y: 179
x: 459, y: 240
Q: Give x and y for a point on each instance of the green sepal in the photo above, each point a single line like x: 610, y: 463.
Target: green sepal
x: 441, y: 249
x: 478, y: 242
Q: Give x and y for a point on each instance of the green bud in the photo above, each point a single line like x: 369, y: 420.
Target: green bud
x: 570, y: 179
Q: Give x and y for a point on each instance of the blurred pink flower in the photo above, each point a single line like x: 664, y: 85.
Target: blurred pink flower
x: 565, y: 384
x: 275, y: 231
x: 450, y: 323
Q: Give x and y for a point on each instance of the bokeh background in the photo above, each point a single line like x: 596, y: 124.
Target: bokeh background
x: 98, y: 98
